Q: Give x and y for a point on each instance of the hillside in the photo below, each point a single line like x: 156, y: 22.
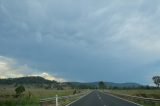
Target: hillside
x: 41, y: 82
x: 26, y: 80
x: 108, y: 84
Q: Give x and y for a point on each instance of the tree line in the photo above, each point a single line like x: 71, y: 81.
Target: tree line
x: 156, y: 80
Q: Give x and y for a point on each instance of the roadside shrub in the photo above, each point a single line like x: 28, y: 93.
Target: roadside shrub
x: 19, y: 90
x: 74, y: 92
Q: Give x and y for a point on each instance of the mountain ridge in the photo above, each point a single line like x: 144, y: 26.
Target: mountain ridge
x: 108, y: 84
x: 41, y: 80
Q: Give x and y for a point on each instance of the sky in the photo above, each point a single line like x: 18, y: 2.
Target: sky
x: 80, y: 40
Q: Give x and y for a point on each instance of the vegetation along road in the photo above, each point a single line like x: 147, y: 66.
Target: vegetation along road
x: 97, y: 98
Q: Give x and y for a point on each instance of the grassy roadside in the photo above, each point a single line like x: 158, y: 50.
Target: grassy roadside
x: 141, y: 93
x: 7, y: 96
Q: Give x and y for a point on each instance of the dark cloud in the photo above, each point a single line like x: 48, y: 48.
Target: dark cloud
x: 82, y: 40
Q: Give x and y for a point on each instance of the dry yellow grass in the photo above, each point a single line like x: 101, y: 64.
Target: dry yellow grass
x: 155, y: 93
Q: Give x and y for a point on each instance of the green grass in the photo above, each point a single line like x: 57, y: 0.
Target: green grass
x: 7, y: 96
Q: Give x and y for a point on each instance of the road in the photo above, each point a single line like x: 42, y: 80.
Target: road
x: 97, y: 98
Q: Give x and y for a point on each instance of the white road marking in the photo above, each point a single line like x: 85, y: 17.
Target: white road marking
x: 122, y: 99
x: 99, y: 97
x: 79, y: 98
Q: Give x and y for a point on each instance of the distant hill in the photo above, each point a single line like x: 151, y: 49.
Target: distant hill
x: 108, y: 84
x: 121, y: 85
x: 44, y: 83
x: 26, y: 80
x: 32, y: 81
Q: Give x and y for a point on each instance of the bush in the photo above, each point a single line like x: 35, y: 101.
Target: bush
x: 19, y: 90
x: 74, y: 92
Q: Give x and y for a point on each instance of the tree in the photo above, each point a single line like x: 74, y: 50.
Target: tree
x: 19, y: 90
x: 156, y: 80
x: 74, y: 92
x: 101, y: 85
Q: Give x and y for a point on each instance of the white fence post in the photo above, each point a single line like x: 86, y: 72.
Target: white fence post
x: 56, y: 100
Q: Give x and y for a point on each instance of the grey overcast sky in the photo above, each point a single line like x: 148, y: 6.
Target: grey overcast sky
x: 80, y: 40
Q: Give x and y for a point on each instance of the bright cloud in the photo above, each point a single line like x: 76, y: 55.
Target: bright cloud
x: 9, y: 68
x: 49, y: 77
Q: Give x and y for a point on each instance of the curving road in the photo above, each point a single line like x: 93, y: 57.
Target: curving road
x: 97, y: 98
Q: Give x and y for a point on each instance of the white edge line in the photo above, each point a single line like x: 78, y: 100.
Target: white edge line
x: 123, y: 99
x: 78, y: 99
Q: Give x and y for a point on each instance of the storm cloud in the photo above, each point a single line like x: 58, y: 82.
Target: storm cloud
x: 83, y: 40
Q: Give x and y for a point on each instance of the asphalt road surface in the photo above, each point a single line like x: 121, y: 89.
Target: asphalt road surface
x: 97, y: 98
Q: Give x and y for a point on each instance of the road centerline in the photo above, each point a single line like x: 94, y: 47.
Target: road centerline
x: 97, y: 98
x: 100, y: 98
